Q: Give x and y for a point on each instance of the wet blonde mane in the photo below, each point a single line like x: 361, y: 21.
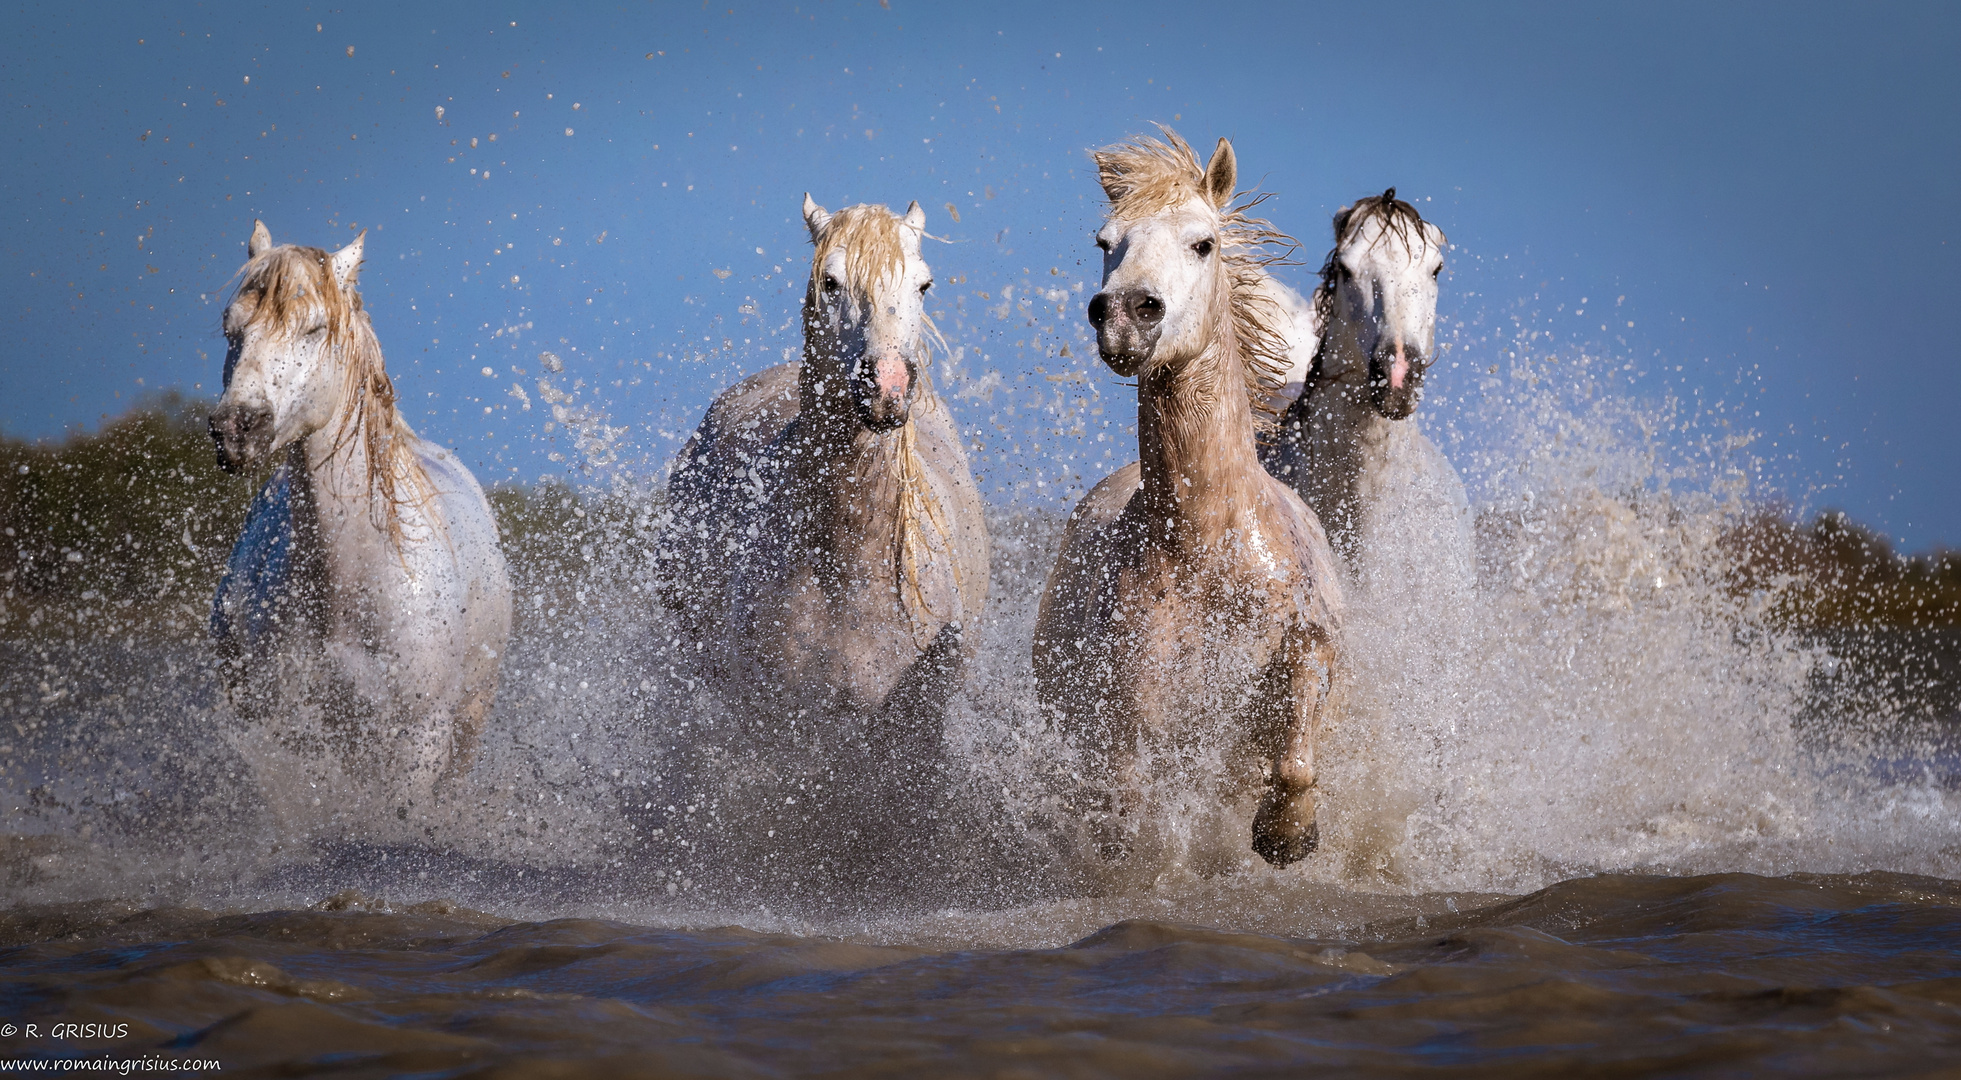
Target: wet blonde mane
x: 1146, y: 176
x: 287, y: 286
x: 868, y: 235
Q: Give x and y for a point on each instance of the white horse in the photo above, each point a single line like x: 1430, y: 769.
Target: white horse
x: 1395, y: 510
x: 825, y: 544
x: 1195, y: 598
x: 367, y: 585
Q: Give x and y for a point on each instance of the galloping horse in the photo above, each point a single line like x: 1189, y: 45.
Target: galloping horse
x: 368, y: 579
x: 825, y: 544
x: 1395, y: 509
x: 1192, y: 587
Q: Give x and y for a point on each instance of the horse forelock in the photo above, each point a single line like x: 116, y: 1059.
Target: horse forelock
x: 288, y: 284
x: 1398, y: 219
x: 874, y: 255
x: 873, y: 249
x: 285, y: 287
x: 1147, y: 176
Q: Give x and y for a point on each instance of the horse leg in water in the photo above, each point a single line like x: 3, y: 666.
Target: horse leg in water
x: 1284, y: 829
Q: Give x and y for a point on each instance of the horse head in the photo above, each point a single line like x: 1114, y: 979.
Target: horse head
x: 864, y: 313
x: 1379, y: 300
x: 1162, y: 271
x: 287, y: 329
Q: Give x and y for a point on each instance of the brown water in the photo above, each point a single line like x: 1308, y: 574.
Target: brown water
x: 1726, y: 974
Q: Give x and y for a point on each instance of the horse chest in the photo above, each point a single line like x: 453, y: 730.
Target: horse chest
x: 1174, y: 622
x: 833, y: 624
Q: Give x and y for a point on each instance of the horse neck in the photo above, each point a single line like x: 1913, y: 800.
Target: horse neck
x: 339, y: 476
x: 1199, y: 468
x: 1341, y: 352
x: 826, y: 416
x: 852, y: 478
x: 1349, y: 446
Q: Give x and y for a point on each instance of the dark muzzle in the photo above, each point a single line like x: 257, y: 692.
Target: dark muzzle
x: 1396, y: 380
x: 1127, y: 323
x: 243, y: 435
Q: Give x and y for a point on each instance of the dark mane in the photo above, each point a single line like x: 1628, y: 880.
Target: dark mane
x: 1399, y: 219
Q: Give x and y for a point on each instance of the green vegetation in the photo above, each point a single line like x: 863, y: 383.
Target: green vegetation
x: 125, y: 531
x: 1835, y: 573
x: 128, y: 525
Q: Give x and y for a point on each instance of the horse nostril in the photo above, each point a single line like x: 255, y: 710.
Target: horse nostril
x: 1146, y: 308
x: 1099, y: 306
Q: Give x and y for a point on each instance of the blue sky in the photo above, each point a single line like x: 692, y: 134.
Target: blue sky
x: 1766, y: 194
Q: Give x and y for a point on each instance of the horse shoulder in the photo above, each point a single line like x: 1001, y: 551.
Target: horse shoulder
x: 459, y: 498
x: 940, y: 448
x: 1316, y: 558
x: 714, y: 483
x: 741, y: 421
x: 1439, y: 478
x: 1068, y: 609
x: 469, y: 536
x: 1416, y: 523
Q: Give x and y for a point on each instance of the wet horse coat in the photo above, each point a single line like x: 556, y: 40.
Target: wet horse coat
x: 1192, y: 588
x: 1396, y: 511
x: 825, y: 544
x: 367, y: 581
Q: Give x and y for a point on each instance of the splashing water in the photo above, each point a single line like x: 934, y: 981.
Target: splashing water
x: 1608, y: 699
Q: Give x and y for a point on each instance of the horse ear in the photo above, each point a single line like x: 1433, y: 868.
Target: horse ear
x: 261, y: 241
x: 916, y: 217
x: 347, y: 261
x: 814, y: 216
x: 1221, y: 174
x: 1341, y: 221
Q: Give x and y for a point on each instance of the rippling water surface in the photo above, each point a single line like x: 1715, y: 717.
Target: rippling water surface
x: 1726, y: 974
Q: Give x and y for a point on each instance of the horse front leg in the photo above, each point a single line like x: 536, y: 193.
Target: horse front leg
x: 1284, y: 829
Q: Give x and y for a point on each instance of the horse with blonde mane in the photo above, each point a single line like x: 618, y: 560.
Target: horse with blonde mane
x: 1195, y: 596
x: 824, y: 543
x: 367, y: 585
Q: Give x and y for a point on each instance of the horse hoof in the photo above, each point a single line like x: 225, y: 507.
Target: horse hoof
x: 1279, y: 837
x: 1280, y: 847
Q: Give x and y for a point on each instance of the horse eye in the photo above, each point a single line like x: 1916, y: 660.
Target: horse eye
x: 1203, y: 248
x: 923, y: 288
x: 1103, y: 245
x: 1436, y: 273
x: 830, y: 283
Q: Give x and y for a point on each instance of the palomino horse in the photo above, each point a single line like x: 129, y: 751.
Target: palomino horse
x: 1348, y: 443
x: 825, y: 544
x: 368, y: 580
x: 1192, y: 587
